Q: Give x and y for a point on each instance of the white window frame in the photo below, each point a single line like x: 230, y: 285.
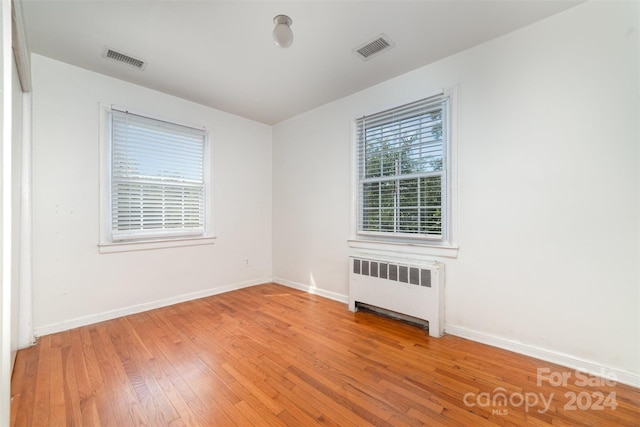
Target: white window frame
x: 390, y: 245
x: 107, y: 244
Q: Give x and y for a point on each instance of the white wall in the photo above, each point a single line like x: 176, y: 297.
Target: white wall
x: 72, y: 283
x: 548, y: 175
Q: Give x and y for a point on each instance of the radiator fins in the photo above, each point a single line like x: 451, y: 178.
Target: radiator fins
x: 394, y: 272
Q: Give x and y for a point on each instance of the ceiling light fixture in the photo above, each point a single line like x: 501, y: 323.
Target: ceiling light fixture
x: 282, y: 33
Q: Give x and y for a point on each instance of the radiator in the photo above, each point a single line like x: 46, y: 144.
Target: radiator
x: 415, y: 290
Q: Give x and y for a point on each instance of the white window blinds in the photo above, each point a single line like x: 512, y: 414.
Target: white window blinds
x: 401, y: 164
x: 157, y: 178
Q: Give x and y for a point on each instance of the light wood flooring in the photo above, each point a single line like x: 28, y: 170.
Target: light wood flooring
x: 273, y: 356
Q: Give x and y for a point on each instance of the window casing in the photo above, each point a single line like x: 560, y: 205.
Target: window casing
x: 402, y: 169
x: 156, y: 179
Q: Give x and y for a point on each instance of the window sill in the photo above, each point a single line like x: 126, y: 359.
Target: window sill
x: 107, y: 248
x: 401, y: 249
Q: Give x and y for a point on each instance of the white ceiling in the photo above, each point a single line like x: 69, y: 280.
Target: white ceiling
x: 221, y: 54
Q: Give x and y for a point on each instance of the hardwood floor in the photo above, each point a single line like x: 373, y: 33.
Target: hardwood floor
x: 270, y: 355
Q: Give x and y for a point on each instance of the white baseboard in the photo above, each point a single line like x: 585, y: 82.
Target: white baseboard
x: 572, y: 362
x: 310, y: 289
x: 586, y: 366
x: 569, y: 361
x: 113, y: 314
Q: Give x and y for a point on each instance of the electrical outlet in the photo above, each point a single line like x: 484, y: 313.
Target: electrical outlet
x: 246, y: 262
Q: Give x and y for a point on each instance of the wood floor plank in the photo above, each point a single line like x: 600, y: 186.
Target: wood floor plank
x: 269, y: 355
x: 86, y: 396
x: 97, y: 388
x: 164, y: 371
x: 41, y: 405
x: 126, y: 408
x: 23, y: 385
x: 70, y: 393
x: 140, y: 366
x: 193, y: 380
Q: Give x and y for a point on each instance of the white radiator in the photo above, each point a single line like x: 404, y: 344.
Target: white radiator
x: 415, y: 290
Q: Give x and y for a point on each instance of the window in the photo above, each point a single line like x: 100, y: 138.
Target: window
x: 401, y: 160
x: 156, y: 179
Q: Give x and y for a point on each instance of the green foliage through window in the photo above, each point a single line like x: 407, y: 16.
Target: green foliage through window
x: 401, y: 159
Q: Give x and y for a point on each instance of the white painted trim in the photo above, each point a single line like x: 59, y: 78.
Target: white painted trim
x: 105, y: 165
x: 25, y: 325
x: 409, y: 251
x: 139, y: 308
x: 452, y: 216
x: 312, y: 290
x: 6, y: 283
x: 572, y: 362
x: 120, y: 108
x: 20, y: 48
x: 107, y: 248
x: 105, y: 245
x: 566, y: 360
x: 569, y: 361
x: 448, y: 246
x: 113, y: 314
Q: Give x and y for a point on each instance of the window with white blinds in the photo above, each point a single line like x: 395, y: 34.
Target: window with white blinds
x: 157, y: 178
x: 401, y: 166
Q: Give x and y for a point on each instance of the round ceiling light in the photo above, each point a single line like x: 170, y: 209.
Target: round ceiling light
x: 282, y: 34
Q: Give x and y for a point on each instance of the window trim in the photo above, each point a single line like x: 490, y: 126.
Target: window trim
x: 389, y: 243
x: 106, y: 244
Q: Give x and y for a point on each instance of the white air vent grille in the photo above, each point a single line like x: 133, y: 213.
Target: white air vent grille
x: 375, y: 47
x: 125, y: 59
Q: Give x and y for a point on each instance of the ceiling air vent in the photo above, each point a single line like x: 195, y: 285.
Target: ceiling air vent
x: 374, y: 47
x: 125, y: 59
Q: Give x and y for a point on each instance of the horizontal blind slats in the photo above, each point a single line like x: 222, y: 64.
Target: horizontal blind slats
x: 157, y: 178
x: 426, y: 105
x: 400, y: 160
